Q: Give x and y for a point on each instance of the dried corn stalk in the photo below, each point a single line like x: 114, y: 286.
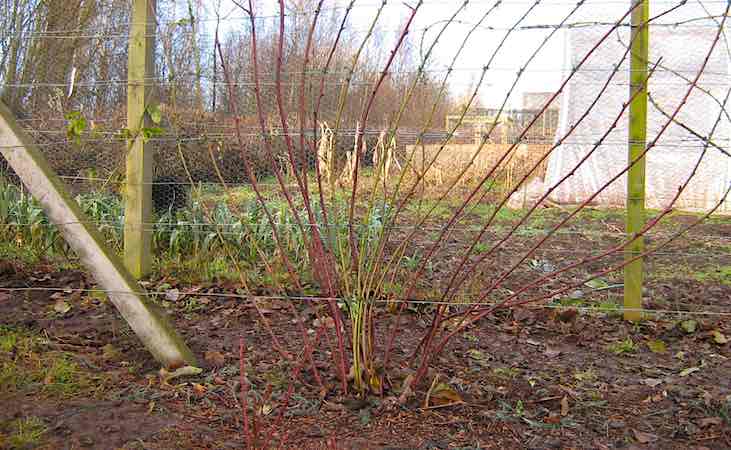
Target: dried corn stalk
x: 348, y: 173
x: 383, y: 157
x: 325, y: 154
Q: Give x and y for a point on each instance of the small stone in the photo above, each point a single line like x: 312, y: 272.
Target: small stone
x: 616, y: 424
x: 577, y: 294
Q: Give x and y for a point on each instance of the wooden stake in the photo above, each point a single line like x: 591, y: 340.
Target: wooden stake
x: 150, y: 325
x: 633, y: 272
x: 138, y: 190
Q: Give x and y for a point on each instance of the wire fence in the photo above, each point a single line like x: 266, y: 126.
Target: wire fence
x: 364, y: 159
x: 414, y: 146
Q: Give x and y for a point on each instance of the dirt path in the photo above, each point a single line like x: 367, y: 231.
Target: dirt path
x: 74, y: 377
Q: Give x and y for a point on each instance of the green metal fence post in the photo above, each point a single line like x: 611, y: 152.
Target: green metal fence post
x: 633, y: 272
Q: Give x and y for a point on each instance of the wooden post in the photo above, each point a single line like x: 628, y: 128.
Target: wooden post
x: 138, y: 190
x: 633, y: 272
x: 150, y: 325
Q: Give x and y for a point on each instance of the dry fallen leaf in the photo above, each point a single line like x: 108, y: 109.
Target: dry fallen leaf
x: 688, y: 371
x: 657, y: 346
x: 655, y: 398
x: 166, y: 375
x: 565, y: 406
x: 718, y: 337
x: 652, y: 382
x: 61, y: 306
x: 199, y: 388
x: 644, y: 438
x: 444, y: 394
x: 266, y: 409
x: 710, y: 421
x: 215, y: 359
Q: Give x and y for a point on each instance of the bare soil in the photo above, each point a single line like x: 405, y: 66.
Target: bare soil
x: 532, y: 378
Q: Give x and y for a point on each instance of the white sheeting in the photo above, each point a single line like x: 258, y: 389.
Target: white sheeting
x: 669, y: 164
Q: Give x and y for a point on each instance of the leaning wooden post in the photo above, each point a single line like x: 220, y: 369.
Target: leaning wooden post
x: 633, y: 272
x: 138, y: 190
x: 150, y: 325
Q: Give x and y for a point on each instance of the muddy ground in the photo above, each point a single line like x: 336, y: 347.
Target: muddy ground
x: 74, y: 376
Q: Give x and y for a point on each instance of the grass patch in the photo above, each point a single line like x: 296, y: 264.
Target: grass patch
x: 27, y: 368
x: 507, y: 373
x: 602, y: 214
x: 19, y: 253
x: 22, y: 433
x: 720, y: 274
x: 198, y: 269
x: 626, y: 346
x: 434, y: 209
x: 505, y: 214
x: 587, y: 375
x: 610, y: 308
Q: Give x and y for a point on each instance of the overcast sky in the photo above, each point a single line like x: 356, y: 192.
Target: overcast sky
x: 545, y: 72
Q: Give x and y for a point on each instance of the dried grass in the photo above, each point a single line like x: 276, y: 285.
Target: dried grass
x: 456, y: 158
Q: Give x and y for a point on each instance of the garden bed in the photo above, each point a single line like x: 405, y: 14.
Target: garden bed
x: 570, y: 375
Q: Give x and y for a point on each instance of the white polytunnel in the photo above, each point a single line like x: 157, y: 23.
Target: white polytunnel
x: 678, y: 54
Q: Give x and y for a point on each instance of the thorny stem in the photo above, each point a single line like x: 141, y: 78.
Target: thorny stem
x: 402, y: 247
x: 429, y: 352
x: 315, y: 113
x: 438, y: 318
x: 489, y: 174
x: 250, y: 173
x: 262, y: 202
x: 417, y: 274
x: 376, y: 259
x: 312, y: 249
x: 436, y: 321
x: 244, y: 393
x: 558, y: 143
x: 411, y: 283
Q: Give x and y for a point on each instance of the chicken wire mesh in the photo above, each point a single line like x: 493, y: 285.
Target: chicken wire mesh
x: 64, y: 75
